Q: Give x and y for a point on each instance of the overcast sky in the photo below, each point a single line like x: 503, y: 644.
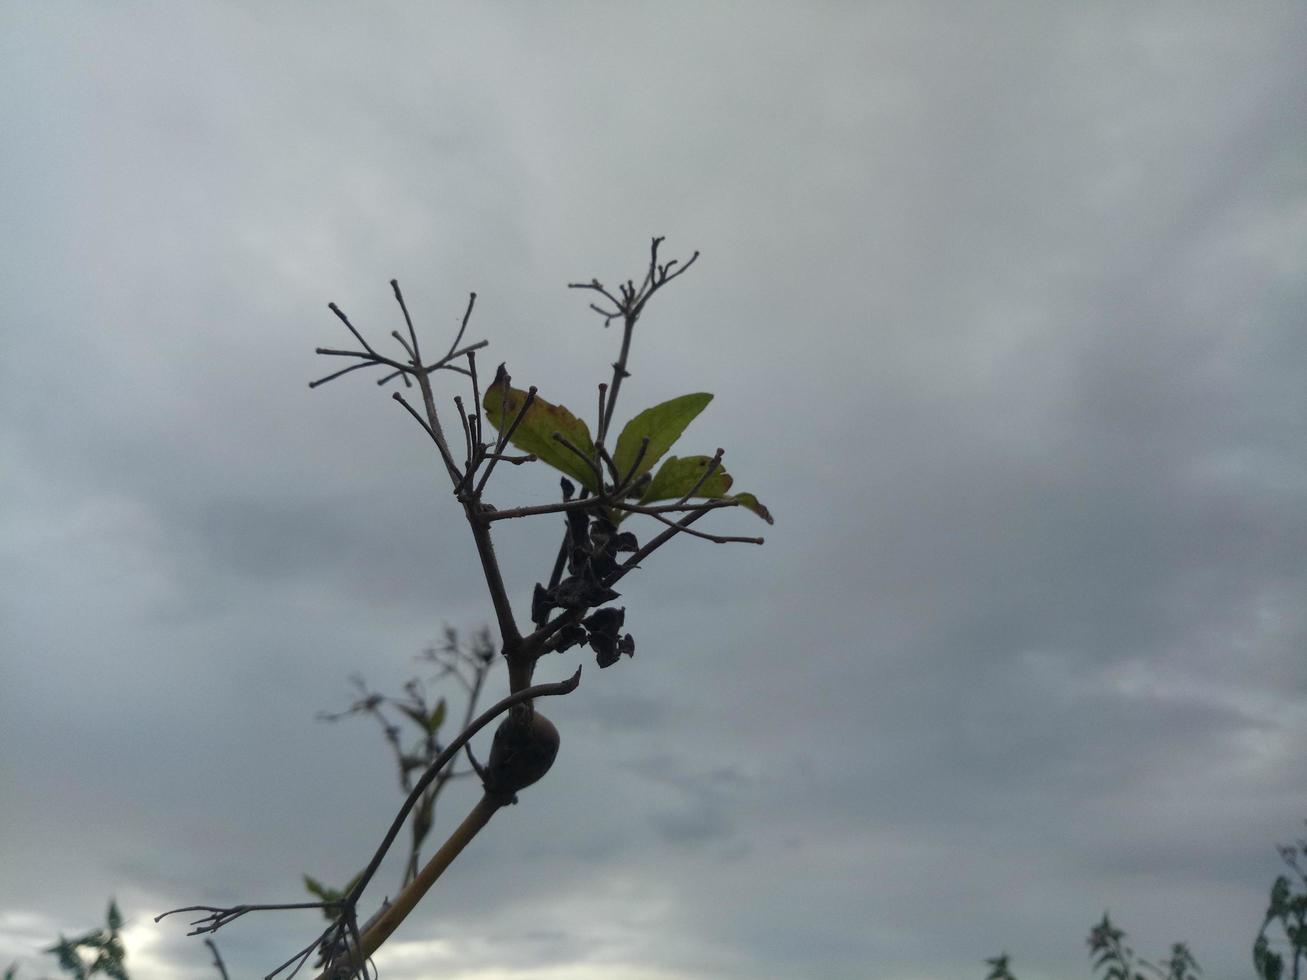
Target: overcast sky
x: 1002, y: 305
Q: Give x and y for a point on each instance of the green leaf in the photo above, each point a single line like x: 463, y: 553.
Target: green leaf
x: 69, y: 961
x: 535, y: 433
x: 115, y: 918
x: 437, y: 717
x: 662, y: 425
x: 325, y: 894
x: 678, y: 476
x: 749, y: 502
x: 320, y: 891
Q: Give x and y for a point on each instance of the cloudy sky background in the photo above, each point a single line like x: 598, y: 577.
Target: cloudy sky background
x: 1002, y: 305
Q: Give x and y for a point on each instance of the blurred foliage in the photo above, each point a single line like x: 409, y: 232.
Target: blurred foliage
x: 1287, y: 915
x: 418, y: 711
x: 998, y: 968
x: 1114, y: 960
x: 97, y: 953
x: 411, y: 724
x: 1279, y: 951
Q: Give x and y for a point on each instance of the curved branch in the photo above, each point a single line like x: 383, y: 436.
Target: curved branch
x: 381, y: 928
x: 447, y: 756
x: 409, y: 896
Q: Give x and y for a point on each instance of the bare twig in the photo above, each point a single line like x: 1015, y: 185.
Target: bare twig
x: 369, y: 356
x: 629, y: 307
x: 650, y: 546
x: 476, y: 390
x: 608, y: 461
x: 219, y: 917
x: 446, y: 362
x: 412, y: 354
x: 467, y: 438
x: 438, y: 438
x: 715, y: 538
x: 413, y: 351
x: 594, y: 467
x: 462, y: 327
x: 557, y: 507
x: 428, y: 397
x: 353, y: 367
x: 217, y: 958
x: 395, y: 374
x: 562, y: 506
x: 345, y: 320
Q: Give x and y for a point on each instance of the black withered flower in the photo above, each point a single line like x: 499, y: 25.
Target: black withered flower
x: 607, y: 621
x: 581, y: 592
x: 541, y: 603
x: 569, y: 636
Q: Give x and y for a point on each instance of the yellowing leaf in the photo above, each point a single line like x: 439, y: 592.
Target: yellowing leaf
x: 749, y: 502
x: 535, y: 433
x: 678, y: 476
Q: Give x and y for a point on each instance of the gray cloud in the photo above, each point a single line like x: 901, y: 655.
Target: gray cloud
x: 1002, y: 312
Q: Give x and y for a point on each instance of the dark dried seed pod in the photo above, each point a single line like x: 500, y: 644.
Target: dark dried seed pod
x: 523, y: 750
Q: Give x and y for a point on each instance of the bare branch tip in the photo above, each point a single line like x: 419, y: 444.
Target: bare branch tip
x: 572, y: 682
